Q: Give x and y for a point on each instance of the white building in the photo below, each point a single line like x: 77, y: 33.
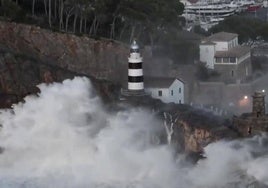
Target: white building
x: 222, y: 52
x: 168, y: 90
x: 207, y: 52
x: 219, y: 42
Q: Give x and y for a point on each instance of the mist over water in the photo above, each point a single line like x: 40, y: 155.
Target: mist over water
x: 64, y: 138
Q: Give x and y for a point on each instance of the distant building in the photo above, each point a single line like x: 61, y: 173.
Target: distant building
x: 222, y: 53
x: 188, y: 2
x: 168, y: 90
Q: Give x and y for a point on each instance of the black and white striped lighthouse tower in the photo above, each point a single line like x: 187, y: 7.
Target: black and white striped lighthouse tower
x: 135, y: 71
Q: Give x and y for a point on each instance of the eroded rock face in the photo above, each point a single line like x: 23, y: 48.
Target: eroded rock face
x: 195, y: 129
x: 20, y: 75
x: 30, y: 55
x: 196, y: 139
x: 103, y: 59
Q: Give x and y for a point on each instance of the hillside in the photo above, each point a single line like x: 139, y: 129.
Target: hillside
x: 30, y: 55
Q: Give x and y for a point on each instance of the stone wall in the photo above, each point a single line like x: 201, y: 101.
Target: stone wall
x: 249, y: 125
x: 227, y: 96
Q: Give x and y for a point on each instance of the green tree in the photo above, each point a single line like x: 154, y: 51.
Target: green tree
x: 202, y: 72
x: 148, y: 16
x: 11, y: 10
x: 148, y: 20
x: 246, y: 28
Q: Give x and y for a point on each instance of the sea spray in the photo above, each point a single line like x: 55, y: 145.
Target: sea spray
x: 63, y: 137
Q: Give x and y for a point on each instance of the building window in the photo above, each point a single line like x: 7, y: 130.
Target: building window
x: 160, y: 93
x: 171, y: 92
x: 232, y: 59
x: 179, y: 90
x: 249, y: 130
x: 180, y: 101
x: 232, y: 73
x: 226, y: 60
x: 218, y: 60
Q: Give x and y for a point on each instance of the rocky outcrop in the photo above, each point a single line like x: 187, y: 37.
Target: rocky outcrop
x: 192, y: 129
x: 20, y: 74
x: 195, y: 129
x: 30, y: 55
x: 102, y: 59
x: 195, y: 139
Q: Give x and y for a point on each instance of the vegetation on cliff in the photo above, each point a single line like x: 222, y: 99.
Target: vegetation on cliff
x: 115, y: 19
x: 152, y: 22
x: 247, y: 28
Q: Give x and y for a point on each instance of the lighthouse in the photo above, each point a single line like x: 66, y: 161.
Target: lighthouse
x: 135, y: 71
x: 135, y: 85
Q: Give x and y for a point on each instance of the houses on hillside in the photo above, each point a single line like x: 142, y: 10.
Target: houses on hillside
x: 229, y: 89
x: 222, y: 53
x: 234, y: 83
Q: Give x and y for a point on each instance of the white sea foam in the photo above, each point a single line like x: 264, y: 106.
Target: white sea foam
x: 64, y: 138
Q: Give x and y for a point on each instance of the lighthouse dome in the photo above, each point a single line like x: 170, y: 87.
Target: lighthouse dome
x: 134, y: 47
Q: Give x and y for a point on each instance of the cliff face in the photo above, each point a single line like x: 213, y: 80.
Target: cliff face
x: 191, y: 129
x: 196, y: 129
x: 195, y: 139
x: 187, y: 137
x: 102, y: 59
x: 19, y: 75
x: 30, y: 55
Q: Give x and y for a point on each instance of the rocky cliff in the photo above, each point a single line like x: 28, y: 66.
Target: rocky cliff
x: 191, y: 129
x: 20, y: 73
x: 102, y: 59
x: 196, y: 129
x: 196, y: 138
x: 30, y: 55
